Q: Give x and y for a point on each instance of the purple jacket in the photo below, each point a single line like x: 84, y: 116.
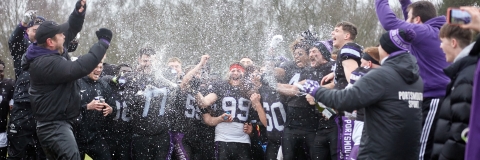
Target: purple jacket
x: 425, y: 47
x: 473, y: 148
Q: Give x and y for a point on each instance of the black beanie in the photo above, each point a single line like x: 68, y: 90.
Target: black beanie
x: 325, y: 48
x: 397, y: 40
x: 37, y: 21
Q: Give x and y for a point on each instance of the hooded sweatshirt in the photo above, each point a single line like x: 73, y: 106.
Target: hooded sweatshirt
x: 392, y: 98
x: 425, y: 47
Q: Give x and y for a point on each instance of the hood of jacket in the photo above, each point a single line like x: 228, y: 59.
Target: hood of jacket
x: 437, y: 22
x: 464, y: 52
x: 35, y: 51
x: 405, y: 65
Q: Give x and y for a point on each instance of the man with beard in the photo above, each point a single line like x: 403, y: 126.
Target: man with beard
x: 6, y: 94
x: 97, y: 104
x: 326, y: 136
x: 301, y: 120
x: 54, y: 93
x: 231, y: 132
x: 22, y: 136
x: 148, y: 98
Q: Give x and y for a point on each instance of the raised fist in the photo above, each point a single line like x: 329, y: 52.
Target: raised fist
x: 104, y: 33
x: 29, y: 16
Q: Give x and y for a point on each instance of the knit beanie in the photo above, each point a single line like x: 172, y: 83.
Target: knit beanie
x: 397, y: 40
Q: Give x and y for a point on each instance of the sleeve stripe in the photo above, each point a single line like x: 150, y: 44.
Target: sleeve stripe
x: 350, y: 51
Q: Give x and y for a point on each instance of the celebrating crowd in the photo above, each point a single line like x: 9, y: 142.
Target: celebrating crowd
x: 407, y: 98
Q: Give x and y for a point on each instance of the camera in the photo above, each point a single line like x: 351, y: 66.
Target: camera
x: 100, y: 99
x: 456, y: 16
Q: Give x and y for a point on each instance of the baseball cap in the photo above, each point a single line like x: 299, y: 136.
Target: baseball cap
x: 49, y: 29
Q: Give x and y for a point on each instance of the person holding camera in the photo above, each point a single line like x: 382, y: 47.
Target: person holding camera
x: 471, y: 152
x: 97, y: 102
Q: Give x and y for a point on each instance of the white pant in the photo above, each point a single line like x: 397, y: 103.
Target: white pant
x: 357, y: 132
x: 280, y: 154
x: 3, y: 140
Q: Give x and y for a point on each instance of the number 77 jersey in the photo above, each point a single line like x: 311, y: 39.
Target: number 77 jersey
x: 148, y: 104
x: 275, y: 112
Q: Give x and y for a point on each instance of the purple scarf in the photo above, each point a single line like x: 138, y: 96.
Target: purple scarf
x: 345, y: 141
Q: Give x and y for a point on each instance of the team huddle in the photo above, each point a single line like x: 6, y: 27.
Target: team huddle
x: 334, y: 100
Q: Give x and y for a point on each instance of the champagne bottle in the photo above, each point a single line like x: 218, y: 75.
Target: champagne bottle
x: 327, y: 112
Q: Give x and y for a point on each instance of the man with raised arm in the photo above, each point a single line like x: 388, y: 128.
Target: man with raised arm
x: 421, y: 17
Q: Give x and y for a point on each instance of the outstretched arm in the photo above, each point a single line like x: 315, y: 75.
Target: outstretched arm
x: 186, y: 79
x: 287, y: 90
x: 387, y: 18
x: 206, y: 101
x: 352, y: 98
x: 70, y: 71
x: 405, y: 4
x: 75, y: 21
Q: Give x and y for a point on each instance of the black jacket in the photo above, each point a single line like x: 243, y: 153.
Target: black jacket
x: 392, y: 98
x: 6, y: 94
x: 55, y: 94
x: 455, y: 110
x: 90, y: 123
x: 18, y: 46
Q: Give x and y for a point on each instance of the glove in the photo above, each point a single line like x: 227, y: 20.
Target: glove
x: 310, y: 86
x: 105, y: 34
x: 29, y: 16
x: 79, y: 5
